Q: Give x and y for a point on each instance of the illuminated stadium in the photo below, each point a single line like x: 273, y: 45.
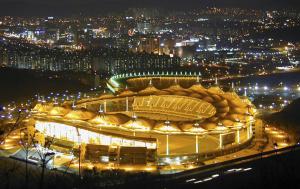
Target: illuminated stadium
x: 151, y: 122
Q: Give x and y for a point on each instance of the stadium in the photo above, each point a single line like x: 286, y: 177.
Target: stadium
x: 150, y: 120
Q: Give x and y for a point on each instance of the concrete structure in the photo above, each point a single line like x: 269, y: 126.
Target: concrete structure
x: 139, y: 126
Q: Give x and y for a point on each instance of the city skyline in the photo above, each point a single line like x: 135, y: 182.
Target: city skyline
x: 94, y: 7
x: 149, y: 94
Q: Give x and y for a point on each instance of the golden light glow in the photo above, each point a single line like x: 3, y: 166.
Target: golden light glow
x: 70, y: 133
x: 174, y: 107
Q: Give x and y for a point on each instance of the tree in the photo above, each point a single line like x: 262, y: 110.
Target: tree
x: 25, y: 144
x: 37, y: 141
x: 44, y: 153
x: 21, y: 116
x: 82, y: 151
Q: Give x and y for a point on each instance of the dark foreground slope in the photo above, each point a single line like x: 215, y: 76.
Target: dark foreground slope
x: 281, y: 171
x: 287, y: 119
x: 22, y: 84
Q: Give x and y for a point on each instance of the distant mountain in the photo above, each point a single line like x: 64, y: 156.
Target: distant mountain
x: 74, y: 7
x: 287, y: 34
x: 290, y: 114
x: 20, y: 85
x: 287, y: 119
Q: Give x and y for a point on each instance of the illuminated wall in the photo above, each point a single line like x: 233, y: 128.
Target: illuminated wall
x: 77, y: 135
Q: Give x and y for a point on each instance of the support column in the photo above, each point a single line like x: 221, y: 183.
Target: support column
x: 220, y: 141
x: 126, y: 104
x: 79, y: 157
x: 197, y: 145
x: 100, y: 108
x: 167, y: 145
x: 238, y: 137
x: 250, y: 130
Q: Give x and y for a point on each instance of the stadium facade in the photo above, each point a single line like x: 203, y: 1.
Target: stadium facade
x: 156, y: 121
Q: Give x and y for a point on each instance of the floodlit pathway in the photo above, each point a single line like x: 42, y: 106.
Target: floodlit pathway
x: 276, y: 139
x: 275, y: 136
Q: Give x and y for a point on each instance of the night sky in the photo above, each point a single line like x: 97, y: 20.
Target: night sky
x: 69, y: 7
